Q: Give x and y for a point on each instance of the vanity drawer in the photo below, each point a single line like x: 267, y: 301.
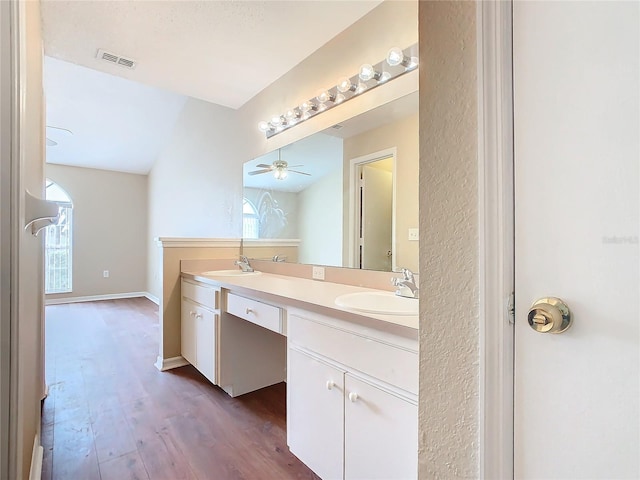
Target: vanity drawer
x: 392, y: 364
x: 262, y: 314
x: 202, y: 294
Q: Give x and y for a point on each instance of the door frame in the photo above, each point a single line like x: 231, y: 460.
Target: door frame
x: 354, y: 202
x: 496, y: 238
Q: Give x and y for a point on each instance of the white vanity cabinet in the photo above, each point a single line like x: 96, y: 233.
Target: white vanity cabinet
x: 199, y: 319
x: 351, y: 399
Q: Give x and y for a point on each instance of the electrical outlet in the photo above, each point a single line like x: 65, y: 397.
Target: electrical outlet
x: 105, y: 274
x: 318, y: 273
x: 414, y: 234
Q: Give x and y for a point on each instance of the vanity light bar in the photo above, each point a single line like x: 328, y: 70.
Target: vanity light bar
x: 397, y: 63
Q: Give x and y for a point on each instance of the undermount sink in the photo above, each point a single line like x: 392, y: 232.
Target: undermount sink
x: 384, y: 303
x: 230, y: 273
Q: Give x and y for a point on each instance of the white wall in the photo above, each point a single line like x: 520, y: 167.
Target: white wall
x: 195, y: 186
x: 320, y: 221
x: 109, y: 229
x: 449, y: 343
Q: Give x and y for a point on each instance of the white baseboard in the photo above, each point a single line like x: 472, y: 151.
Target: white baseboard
x: 35, y: 472
x: 94, y: 298
x: 153, y: 298
x: 164, y: 364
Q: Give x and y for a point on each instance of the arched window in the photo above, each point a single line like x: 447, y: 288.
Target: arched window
x: 58, y: 242
x: 250, y: 220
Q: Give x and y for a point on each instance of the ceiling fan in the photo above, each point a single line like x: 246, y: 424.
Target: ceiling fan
x: 280, y: 169
x: 58, y: 131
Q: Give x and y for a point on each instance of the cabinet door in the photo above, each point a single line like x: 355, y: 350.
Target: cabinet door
x: 206, y: 343
x: 188, y: 331
x: 380, y: 433
x: 315, y: 419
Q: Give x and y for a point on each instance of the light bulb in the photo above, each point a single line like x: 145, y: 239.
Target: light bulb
x: 307, y: 106
x: 396, y: 57
x: 413, y: 63
x: 280, y: 173
x: 264, y: 126
x: 324, y: 97
x: 339, y: 98
x: 292, y: 114
x: 276, y: 120
x: 322, y: 107
x: 344, y: 85
x: 367, y: 72
x: 361, y: 88
x: 384, y: 77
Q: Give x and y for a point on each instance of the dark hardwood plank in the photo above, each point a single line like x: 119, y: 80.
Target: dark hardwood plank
x: 111, y: 414
x: 125, y: 467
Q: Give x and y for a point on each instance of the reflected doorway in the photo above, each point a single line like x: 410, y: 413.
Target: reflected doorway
x: 373, y: 192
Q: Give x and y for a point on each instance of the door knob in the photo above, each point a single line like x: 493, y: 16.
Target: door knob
x: 549, y: 315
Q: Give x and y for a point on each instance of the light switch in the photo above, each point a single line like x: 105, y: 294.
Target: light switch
x: 414, y: 234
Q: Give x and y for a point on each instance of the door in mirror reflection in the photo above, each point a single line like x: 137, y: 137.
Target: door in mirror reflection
x: 376, y: 215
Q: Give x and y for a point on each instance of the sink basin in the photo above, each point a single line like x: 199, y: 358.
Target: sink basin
x: 230, y: 273
x: 384, y: 303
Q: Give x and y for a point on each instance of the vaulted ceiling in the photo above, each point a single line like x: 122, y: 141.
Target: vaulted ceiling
x: 224, y: 52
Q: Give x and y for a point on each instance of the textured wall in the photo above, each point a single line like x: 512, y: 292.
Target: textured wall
x: 448, y: 411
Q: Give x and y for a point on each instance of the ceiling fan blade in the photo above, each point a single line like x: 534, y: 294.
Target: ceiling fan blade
x: 262, y: 165
x: 294, y: 166
x: 301, y: 173
x: 51, y: 143
x: 258, y: 172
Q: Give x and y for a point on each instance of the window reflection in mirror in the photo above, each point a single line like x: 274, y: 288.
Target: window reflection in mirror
x: 354, y: 180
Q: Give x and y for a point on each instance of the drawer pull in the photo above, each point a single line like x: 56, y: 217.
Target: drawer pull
x: 198, y: 315
x: 192, y: 313
x: 248, y: 311
x: 353, y: 396
x: 330, y: 384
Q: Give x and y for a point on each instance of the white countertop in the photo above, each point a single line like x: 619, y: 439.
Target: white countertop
x: 315, y: 295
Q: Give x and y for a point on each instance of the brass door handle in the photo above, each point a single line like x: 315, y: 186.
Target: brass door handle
x: 550, y: 315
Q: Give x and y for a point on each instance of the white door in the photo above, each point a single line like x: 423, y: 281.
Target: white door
x: 576, y: 120
x: 376, y: 218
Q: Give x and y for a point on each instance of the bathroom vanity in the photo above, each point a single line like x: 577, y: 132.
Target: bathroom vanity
x: 352, y: 377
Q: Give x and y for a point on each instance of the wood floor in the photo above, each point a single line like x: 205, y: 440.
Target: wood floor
x: 111, y: 415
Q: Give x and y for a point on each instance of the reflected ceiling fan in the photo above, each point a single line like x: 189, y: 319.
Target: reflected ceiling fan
x: 279, y: 168
x: 56, y: 132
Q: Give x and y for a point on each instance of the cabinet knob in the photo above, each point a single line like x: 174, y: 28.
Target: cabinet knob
x: 248, y: 311
x: 192, y: 313
x: 198, y: 315
x: 330, y: 384
x: 353, y: 396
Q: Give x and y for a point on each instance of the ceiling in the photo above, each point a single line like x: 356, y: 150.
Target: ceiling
x: 224, y: 52
x: 116, y: 124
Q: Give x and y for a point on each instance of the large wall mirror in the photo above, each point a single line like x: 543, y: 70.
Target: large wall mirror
x: 345, y: 197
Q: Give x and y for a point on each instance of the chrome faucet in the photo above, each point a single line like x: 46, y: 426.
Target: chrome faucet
x: 243, y: 263
x: 406, y: 285
x: 279, y: 258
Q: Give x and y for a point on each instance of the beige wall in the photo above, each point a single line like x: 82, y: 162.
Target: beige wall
x: 403, y: 135
x: 109, y: 229
x: 449, y: 355
x: 392, y: 23
x: 27, y: 372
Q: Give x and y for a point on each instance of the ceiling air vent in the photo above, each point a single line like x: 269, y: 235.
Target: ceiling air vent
x: 116, y: 59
